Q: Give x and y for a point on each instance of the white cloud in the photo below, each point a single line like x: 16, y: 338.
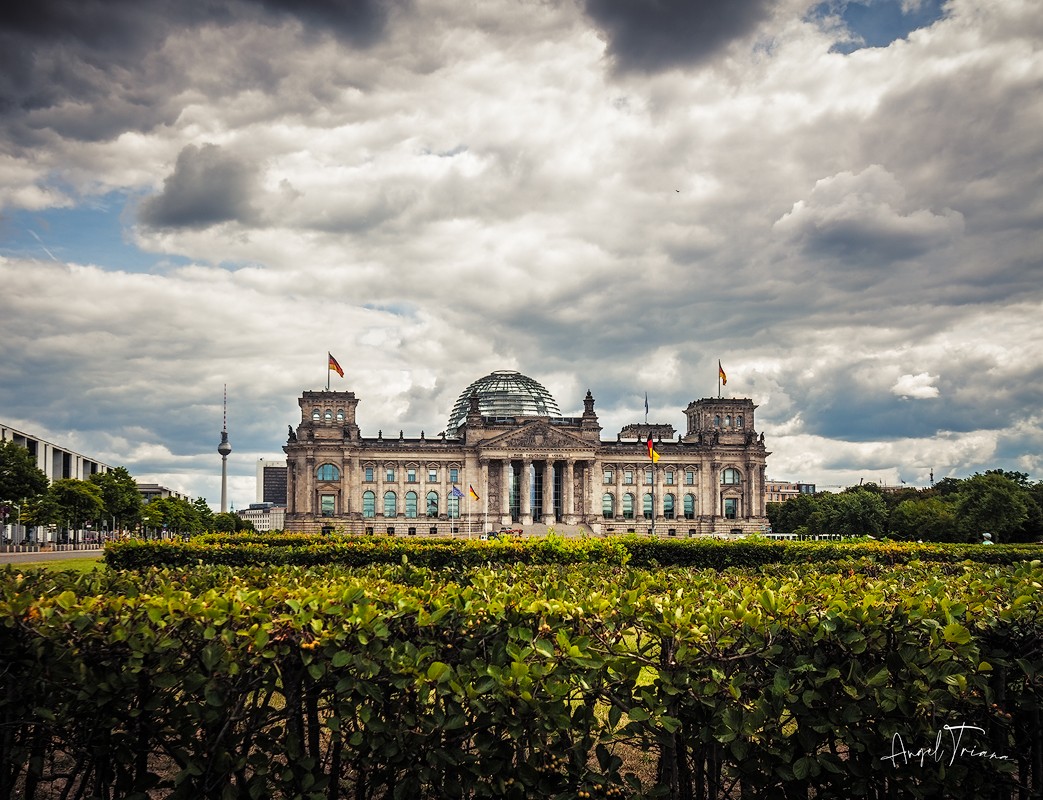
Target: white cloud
x: 468, y: 188
x: 919, y: 386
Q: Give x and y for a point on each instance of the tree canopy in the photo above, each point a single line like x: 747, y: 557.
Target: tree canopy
x: 1005, y: 504
x: 20, y: 478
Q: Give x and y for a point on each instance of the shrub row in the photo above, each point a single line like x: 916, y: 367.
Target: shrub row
x: 304, y: 550
x: 523, y: 681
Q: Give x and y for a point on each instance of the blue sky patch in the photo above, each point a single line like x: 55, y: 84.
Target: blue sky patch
x: 90, y: 233
x: 877, y: 23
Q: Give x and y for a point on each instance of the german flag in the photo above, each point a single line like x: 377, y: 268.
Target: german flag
x: 474, y: 494
x: 652, y: 454
x: 334, y: 365
x: 721, y: 375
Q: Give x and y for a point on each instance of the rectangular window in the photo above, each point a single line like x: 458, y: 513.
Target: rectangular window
x: 628, y: 476
x: 328, y: 505
x: 648, y: 477
x: 731, y: 508
x: 432, y: 475
x: 390, y: 475
x: 410, y: 475
x: 454, y: 475
x: 689, y: 477
x: 610, y: 476
x: 369, y: 474
x: 669, y: 477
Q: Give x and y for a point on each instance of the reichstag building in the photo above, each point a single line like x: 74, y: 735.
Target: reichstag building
x: 508, y: 459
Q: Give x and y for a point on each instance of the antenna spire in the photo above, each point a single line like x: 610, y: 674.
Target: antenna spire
x: 224, y: 448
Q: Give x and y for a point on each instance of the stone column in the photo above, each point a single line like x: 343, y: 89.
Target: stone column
x: 594, y: 489
x: 306, y: 488
x: 568, y: 492
x: 618, y: 472
x: 378, y: 511
x: 526, y: 491
x: 548, y: 492
x: 483, y: 503
x: 657, y: 498
x: 505, y: 493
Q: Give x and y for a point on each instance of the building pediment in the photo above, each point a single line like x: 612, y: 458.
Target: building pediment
x: 536, y: 437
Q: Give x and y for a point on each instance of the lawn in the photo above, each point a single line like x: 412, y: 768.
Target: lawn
x: 85, y: 564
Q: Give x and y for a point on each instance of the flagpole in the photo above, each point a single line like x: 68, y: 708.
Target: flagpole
x: 329, y: 369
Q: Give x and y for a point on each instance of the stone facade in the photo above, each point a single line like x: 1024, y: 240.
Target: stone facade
x: 528, y: 472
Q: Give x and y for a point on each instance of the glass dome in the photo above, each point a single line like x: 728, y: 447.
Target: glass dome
x: 504, y: 393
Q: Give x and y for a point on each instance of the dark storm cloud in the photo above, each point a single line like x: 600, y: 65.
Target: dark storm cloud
x: 91, y: 69
x: 208, y: 186
x: 866, y: 218
x: 357, y: 22
x: 650, y: 35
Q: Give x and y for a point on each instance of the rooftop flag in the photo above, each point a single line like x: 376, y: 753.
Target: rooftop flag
x: 334, y: 365
x: 720, y: 373
x: 652, y: 454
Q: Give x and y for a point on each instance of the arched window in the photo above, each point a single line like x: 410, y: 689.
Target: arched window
x: 727, y: 420
x: 328, y: 415
x: 369, y: 505
x: 689, y: 506
x: 646, y: 505
x: 411, y: 499
x: 628, y: 506
x: 316, y: 414
x: 432, y: 505
x: 668, y: 506
x: 717, y: 420
x: 327, y: 472
x: 390, y: 504
x: 730, y: 476
x: 608, y: 505
x: 738, y: 421
x: 340, y: 414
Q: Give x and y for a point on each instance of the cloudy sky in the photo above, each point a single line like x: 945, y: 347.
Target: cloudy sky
x: 841, y: 201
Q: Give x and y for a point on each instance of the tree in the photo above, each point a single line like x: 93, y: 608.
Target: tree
x: 991, y: 502
x: 1032, y: 529
x: 20, y: 478
x: 75, y: 502
x: 206, y: 514
x: 119, y: 492
x: 787, y: 517
x: 930, y: 519
x: 176, y: 515
x: 225, y: 522
x: 855, y: 512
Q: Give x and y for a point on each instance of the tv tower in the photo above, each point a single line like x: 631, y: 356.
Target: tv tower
x: 224, y: 449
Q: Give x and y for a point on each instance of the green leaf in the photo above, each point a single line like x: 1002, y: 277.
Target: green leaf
x: 439, y: 671
x: 955, y: 633
x: 638, y: 714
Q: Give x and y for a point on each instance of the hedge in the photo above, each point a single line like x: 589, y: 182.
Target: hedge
x: 305, y: 550
x: 522, y: 681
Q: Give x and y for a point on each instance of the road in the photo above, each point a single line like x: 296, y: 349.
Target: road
x: 48, y: 555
